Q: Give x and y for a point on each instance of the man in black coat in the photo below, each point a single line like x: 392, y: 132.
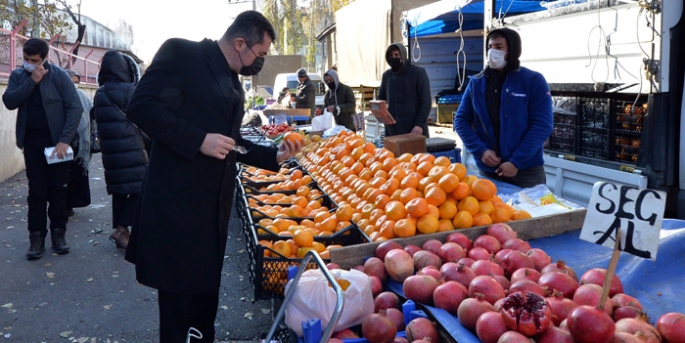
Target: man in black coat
x: 190, y: 103
x: 305, y: 97
x: 407, y: 90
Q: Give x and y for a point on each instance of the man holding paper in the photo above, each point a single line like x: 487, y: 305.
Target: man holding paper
x: 48, y: 116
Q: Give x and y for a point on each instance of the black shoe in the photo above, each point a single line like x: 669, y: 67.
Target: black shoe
x: 70, y: 213
x: 37, y: 248
x: 59, y: 242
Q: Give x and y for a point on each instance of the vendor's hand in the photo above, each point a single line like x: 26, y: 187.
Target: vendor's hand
x: 217, y: 145
x: 330, y: 108
x: 507, y: 169
x: 417, y: 130
x: 490, y: 158
x: 287, y: 150
x: 60, y: 150
x: 38, y: 73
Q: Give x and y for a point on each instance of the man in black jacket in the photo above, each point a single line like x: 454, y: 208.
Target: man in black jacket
x: 306, y: 94
x: 339, y: 100
x: 190, y: 102
x: 407, y: 90
x: 48, y: 116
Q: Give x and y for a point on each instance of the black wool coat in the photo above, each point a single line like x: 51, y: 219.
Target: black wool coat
x: 180, y: 227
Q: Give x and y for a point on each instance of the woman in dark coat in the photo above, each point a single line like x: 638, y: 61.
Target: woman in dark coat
x: 122, y: 145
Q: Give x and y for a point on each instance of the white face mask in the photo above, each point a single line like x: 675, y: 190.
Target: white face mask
x: 29, y: 67
x: 496, y: 59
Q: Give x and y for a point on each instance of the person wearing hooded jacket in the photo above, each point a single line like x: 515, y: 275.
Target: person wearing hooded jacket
x: 305, y: 96
x: 406, y: 89
x: 339, y: 100
x: 122, y: 145
x: 506, y: 115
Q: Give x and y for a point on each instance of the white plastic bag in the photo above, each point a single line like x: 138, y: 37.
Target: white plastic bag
x: 315, y: 299
x: 323, y: 122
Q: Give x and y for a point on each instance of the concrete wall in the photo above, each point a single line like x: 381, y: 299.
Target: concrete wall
x: 11, y: 158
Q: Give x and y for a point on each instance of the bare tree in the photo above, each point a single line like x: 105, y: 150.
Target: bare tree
x: 76, y: 18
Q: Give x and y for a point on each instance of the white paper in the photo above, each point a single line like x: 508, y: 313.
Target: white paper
x: 54, y: 159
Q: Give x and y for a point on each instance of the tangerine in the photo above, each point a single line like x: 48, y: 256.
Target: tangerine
x: 404, y: 228
x: 448, y: 210
x: 408, y: 194
x: 435, y: 196
x: 483, y: 189
x: 448, y: 182
x: 442, y: 161
x: 417, y: 207
x: 445, y: 225
x: 481, y: 219
x: 469, y: 204
x: 521, y: 214
x: 500, y: 215
x: 462, y: 220
x: 427, y: 224
x: 395, y: 210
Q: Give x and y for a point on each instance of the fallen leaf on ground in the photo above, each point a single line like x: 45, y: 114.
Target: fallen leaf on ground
x: 66, y: 334
x: 8, y: 305
x: 50, y: 275
x: 249, y: 315
x: 107, y: 307
x: 83, y: 339
x: 224, y: 307
x: 266, y: 311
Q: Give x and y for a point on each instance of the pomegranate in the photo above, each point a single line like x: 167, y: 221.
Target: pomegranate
x: 539, y: 257
x: 425, y: 258
x: 555, y: 335
x: 376, y: 285
x: 597, y: 276
x: 487, y: 286
x: 560, y: 307
x: 672, y: 327
x: 623, y: 337
x: 478, y: 253
x: 379, y: 328
x: 639, y: 323
x: 459, y: 273
x: 525, y: 274
x: 626, y: 312
x: 526, y: 312
x: 412, y: 249
x: 449, y: 296
x: 359, y: 268
x: 345, y: 334
x: 422, y: 328
x: 460, y: 239
x: 503, y: 281
x: 399, y: 339
x: 564, y: 324
x: 499, y: 256
x: 451, y: 252
x: 589, y: 324
x: 397, y: 318
x: 486, y: 267
x: 334, y: 340
x: 471, y: 308
x: 419, y: 288
x: 498, y: 305
x: 447, y: 265
x: 399, y: 264
x: 490, y: 326
x: 430, y: 270
x: 516, y: 244
x: 383, y: 248
x: 332, y: 266
x: 489, y: 243
x: 513, y: 337
x: 432, y: 245
x: 559, y: 266
x: 622, y: 299
x: 467, y: 261
x: 526, y: 286
x: 502, y: 232
x: 374, y: 266
x: 516, y: 260
x: 559, y: 281
x: 386, y: 300
x: 590, y: 294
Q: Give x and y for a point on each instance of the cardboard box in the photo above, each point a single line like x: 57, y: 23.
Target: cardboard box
x: 407, y: 143
x: 291, y: 112
x: 446, y: 113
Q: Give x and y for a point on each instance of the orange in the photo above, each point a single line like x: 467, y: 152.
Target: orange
x: 321, y: 216
x: 417, y: 207
x: 481, y: 219
x: 509, y: 209
x: 266, y: 244
x: 483, y: 189
x: 427, y: 224
x: 318, y: 247
x: 366, y: 210
x: 442, y: 161
x: 387, y: 229
x: 366, y: 174
x: 375, y: 214
x: 371, y: 194
x: 424, y: 168
x: 469, y: 204
x: 282, y: 247
x: 435, y: 196
x: 404, y: 228
x: 381, y: 173
x: 445, y: 225
x: 395, y: 210
x: 388, y: 163
x: 379, y: 222
x: 357, y: 167
x: 344, y: 212
x: 500, y: 215
x: 496, y: 199
x: 437, y: 172
x: 369, y: 148
x: 356, y: 153
x: 448, y: 182
x: 410, y: 181
x: 329, y: 224
x: 303, y: 238
x: 448, y: 210
x: 381, y: 200
x: 469, y: 179
x: 342, y: 225
x: 486, y: 207
x: 433, y: 210
x: 348, y: 161
x: 390, y: 186
x: 521, y: 214
x: 307, y: 223
x: 423, y: 183
x: 462, y: 220
x: 363, y: 224
x: 406, y: 157
x: 356, y: 217
x: 427, y: 158
x: 399, y: 174
x: 458, y: 169
x: 408, y: 194
x: 461, y: 192
x: 303, y: 251
x: 396, y: 195
x: 302, y: 191
x: 377, y: 182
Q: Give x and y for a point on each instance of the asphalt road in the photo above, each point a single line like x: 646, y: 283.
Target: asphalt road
x: 91, y: 294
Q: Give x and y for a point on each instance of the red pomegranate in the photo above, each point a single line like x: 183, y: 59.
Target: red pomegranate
x: 451, y: 252
x: 386, y: 300
x: 487, y: 286
x: 399, y: 339
x: 499, y: 256
x: 516, y: 260
x: 399, y: 264
x: 526, y: 286
x: 590, y: 294
x: 447, y: 265
x: 516, y: 244
x: 486, y: 267
x: 539, y: 258
x: 376, y: 285
x: 527, y: 313
x: 432, y: 245
x: 554, y: 334
x: 334, y: 340
x: 622, y: 337
x: 489, y: 243
x: 588, y: 324
x: 425, y: 258
x: 560, y: 307
x: 478, y: 253
x: 332, y: 266
x: 397, y: 318
x: 374, y: 266
x: 490, y: 326
x: 422, y: 328
x: 379, y: 328
x: 430, y: 270
x: 559, y: 266
x: 359, y: 268
x: 672, y: 327
x: 458, y: 272
x: 471, y: 308
x: 419, y: 288
x: 622, y: 299
x: 449, y: 296
x: 498, y: 305
x: 383, y: 248
x: 639, y: 323
x: 626, y: 312
x: 345, y: 334
x: 597, y: 276
x: 559, y: 281
x: 506, y: 284
x: 501, y: 231
x: 460, y: 239
x: 525, y: 274
x: 513, y: 337
x: 412, y: 249
x: 467, y: 261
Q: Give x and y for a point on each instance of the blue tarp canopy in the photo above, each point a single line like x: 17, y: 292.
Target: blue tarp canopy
x: 443, y: 16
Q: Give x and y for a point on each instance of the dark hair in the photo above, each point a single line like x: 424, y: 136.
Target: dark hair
x: 36, y: 46
x: 250, y: 26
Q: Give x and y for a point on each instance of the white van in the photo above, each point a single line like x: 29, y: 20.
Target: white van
x: 290, y: 80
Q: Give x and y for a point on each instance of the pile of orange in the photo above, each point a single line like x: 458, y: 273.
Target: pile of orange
x: 293, y: 181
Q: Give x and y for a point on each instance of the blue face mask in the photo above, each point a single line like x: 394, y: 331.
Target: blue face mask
x: 29, y: 67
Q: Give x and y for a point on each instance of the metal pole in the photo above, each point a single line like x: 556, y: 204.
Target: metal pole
x: 13, y: 42
x: 488, y: 14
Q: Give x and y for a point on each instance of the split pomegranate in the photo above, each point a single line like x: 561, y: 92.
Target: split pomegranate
x: 590, y: 294
x: 379, y: 328
x: 502, y: 232
x: 460, y: 239
x: 539, y: 258
x: 489, y: 243
x: 419, y: 288
x: 525, y: 274
x: 559, y: 266
x: 399, y: 264
x: 516, y: 260
x: 412, y: 249
x: 672, y: 327
x: 397, y: 318
x: 449, y: 296
x: 589, y: 324
x: 622, y: 299
x: 478, y: 253
x: 526, y: 286
x: 490, y: 326
x: 386, y: 300
x: 639, y: 323
x: 422, y: 328
x: 459, y: 273
x: 451, y: 252
x: 513, y: 337
x: 426, y: 258
x: 487, y: 267
x: 526, y: 312
x: 487, y: 286
x: 516, y: 244
x: 374, y: 266
x: 554, y: 334
x: 471, y: 308
x: 383, y: 248
x: 597, y: 276
x: 432, y: 245
x: 560, y: 307
x: 559, y: 281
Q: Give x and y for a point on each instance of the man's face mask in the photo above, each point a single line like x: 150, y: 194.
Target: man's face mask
x: 497, y: 59
x: 331, y: 85
x: 29, y: 67
x: 395, y: 63
x: 254, y: 68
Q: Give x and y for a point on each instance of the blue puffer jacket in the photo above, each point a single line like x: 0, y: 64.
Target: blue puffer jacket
x: 526, y: 119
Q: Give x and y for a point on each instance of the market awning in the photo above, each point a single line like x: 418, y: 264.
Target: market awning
x: 443, y: 16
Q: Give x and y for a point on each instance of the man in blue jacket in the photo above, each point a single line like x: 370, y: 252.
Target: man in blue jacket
x: 506, y: 115
x: 49, y: 115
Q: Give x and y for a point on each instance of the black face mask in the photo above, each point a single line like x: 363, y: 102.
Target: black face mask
x: 254, y: 68
x: 331, y: 85
x: 395, y: 63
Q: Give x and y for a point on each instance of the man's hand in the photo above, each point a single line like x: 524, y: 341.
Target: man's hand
x: 287, y: 150
x: 217, y: 146
x: 490, y: 158
x: 38, y: 73
x: 417, y: 130
x: 60, y: 150
x: 507, y: 169
x: 330, y: 108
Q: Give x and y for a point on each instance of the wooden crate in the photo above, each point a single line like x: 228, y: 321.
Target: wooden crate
x: 363, y: 95
x: 350, y: 256
x: 446, y: 113
x: 407, y: 143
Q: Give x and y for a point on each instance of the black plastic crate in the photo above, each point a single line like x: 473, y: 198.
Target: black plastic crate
x: 594, y: 113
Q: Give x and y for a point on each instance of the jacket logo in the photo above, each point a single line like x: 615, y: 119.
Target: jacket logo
x: 518, y: 95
